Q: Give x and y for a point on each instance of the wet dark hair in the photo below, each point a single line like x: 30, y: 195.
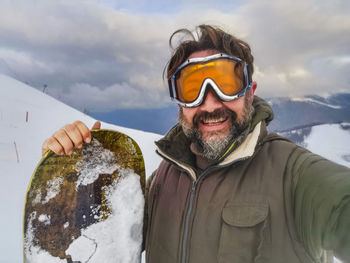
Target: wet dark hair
x: 208, y: 38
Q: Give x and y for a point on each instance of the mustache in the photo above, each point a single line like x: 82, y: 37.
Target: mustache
x: 218, y: 113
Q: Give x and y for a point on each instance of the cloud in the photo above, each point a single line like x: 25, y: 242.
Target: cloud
x: 102, y: 55
x: 65, y: 45
x: 91, y: 98
x: 303, y: 35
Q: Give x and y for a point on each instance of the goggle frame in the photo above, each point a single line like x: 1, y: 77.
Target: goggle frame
x: 199, y: 100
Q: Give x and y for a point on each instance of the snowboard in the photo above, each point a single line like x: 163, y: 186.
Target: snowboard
x: 87, y: 206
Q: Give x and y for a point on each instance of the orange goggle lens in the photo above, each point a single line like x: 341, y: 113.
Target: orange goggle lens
x: 227, y: 74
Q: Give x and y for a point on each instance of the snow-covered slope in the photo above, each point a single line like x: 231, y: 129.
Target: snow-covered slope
x: 27, y: 117
x: 328, y: 140
x: 331, y: 141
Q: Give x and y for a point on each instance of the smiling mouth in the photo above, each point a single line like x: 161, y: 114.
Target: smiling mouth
x: 213, y: 121
x: 216, y: 118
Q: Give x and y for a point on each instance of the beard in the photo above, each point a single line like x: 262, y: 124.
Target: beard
x: 215, y: 143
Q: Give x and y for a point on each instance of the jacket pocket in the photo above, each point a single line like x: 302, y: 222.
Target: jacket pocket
x: 244, y: 232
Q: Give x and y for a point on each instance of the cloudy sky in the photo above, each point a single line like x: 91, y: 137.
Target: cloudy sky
x: 101, y: 55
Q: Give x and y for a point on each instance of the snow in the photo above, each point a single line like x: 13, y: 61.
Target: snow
x: 330, y: 141
x: 104, y: 236
x: 317, y: 102
x: 46, y: 219
x: 100, y: 242
x: 91, y: 166
x: 20, y: 151
x: 53, y: 189
x: 41, y: 256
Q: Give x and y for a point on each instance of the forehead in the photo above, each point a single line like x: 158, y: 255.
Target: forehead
x: 203, y: 53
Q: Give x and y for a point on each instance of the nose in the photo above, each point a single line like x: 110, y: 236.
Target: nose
x: 211, y: 102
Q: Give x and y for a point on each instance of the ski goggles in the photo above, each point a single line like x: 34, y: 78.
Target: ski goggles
x: 228, y: 76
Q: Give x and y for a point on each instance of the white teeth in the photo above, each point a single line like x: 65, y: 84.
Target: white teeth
x: 214, y: 121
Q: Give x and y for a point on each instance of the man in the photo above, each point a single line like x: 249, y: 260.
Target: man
x: 227, y: 191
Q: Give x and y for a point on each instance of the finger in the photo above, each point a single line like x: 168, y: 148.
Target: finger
x: 53, y: 145
x: 84, y: 131
x: 96, y: 126
x: 74, y: 134
x: 64, y: 140
x: 44, y: 147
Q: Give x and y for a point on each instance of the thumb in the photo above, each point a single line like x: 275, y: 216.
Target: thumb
x: 96, y: 126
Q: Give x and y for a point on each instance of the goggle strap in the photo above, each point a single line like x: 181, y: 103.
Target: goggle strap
x: 249, y: 73
x: 172, y: 95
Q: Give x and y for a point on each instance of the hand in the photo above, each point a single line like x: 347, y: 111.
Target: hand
x: 70, y: 136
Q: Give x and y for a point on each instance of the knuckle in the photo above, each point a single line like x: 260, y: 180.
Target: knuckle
x: 59, y: 133
x: 74, y: 134
x: 44, y: 147
x: 78, y: 123
x: 83, y: 129
x: 50, y: 141
x: 62, y: 138
x: 67, y: 148
x: 55, y: 146
x: 70, y: 129
x: 81, y: 126
x: 86, y: 133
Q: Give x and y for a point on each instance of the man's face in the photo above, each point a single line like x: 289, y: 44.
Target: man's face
x: 213, y: 124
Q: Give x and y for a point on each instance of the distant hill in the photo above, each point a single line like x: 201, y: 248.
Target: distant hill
x: 290, y: 113
x: 151, y: 120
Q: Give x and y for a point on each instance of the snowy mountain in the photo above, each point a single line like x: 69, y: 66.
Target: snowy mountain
x: 28, y: 116
x: 289, y: 113
x: 294, y: 113
x: 153, y: 120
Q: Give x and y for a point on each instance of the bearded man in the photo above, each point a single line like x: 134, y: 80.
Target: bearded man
x: 227, y: 191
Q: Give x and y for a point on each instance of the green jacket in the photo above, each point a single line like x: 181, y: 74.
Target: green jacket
x: 265, y: 200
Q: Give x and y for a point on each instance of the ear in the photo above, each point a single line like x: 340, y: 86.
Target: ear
x: 252, y: 90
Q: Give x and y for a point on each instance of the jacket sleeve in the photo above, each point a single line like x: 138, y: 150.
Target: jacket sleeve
x: 321, y: 196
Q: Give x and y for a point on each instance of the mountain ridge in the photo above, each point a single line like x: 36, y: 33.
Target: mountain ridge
x: 289, y: 113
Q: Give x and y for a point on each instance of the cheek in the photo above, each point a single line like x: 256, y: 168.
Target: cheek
x: 235, y: 105
x: 188, y: 114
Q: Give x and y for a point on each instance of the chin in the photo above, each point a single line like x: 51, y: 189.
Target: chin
x: 215, y: 135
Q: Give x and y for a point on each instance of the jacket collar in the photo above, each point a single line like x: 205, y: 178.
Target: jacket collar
x: 246, y: 149
x: 175, y: 145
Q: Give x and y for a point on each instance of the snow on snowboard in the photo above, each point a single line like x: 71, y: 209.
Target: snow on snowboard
x: 87, y: 207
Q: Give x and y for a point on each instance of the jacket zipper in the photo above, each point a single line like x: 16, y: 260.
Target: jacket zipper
x: 190, y: 206
x: 188, y: 215
x: 193, y: 190
x: 187, y: 220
